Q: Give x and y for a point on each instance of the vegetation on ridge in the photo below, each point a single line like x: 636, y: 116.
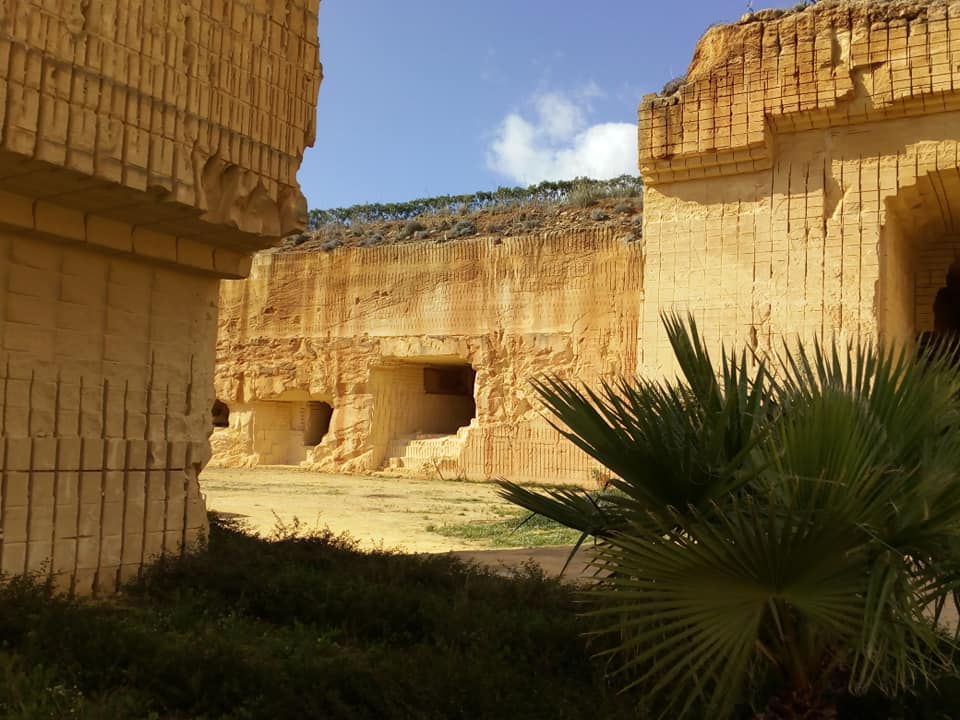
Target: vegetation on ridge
x: 544, y: 192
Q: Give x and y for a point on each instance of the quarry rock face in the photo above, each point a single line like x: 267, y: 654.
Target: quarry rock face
x: 416, y: 357
x: 804, y: 180
x: 147, y: 148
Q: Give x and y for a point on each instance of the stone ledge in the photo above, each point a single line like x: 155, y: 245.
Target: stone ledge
x: 210, y: 255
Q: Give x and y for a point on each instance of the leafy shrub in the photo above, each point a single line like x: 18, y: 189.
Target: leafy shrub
x: 674, y: 85
x: 302, y: 627
x: 462, y: 229
x: 410, y: 228
x: 589, y: 192
x: 585, y: 196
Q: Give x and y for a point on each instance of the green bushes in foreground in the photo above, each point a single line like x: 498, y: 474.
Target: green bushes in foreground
x: 302, y: 627
x: 310, y: 628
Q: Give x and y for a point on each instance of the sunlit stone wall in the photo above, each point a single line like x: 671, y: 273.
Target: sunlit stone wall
x: 147, y: 148
x: 804, y: 179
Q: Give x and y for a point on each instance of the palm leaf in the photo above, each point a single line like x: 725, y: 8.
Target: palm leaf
x: 759, y: 526
x: 706, y: 591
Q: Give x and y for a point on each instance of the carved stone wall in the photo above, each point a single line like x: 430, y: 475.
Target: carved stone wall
x: 182, y: 115
x: 147, y: 148
x: 805, y: 178
x: 391, y: 337
x: 803, y: 181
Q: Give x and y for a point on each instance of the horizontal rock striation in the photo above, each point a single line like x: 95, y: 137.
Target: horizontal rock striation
x: 804, y: 179
x: 367, y: 330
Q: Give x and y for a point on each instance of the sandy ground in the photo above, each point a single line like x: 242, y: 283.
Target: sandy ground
x: 377, y: 511
x: 383, y: 512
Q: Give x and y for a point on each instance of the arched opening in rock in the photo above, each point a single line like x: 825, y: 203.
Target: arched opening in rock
x: 919, y: 293
x: 317, y: 423
x: 221, y: 414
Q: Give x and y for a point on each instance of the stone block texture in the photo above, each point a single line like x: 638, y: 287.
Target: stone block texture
x: 804, y: 180
x: 147, y: 148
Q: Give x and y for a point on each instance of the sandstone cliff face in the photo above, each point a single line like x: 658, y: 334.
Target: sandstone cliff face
x: 804, y: 179
x: 366, y: 329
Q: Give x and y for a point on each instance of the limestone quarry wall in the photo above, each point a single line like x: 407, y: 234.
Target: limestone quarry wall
x: 147, y: 148
x: 804, y: 179
x: 424, y: 351
x: 105, y: 396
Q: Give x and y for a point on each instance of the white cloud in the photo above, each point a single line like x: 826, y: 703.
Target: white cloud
x: 560, y: 144
x: 559, y: 119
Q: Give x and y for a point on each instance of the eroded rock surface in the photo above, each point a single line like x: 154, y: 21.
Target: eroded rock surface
x: 423, y: 350
x: 802, y: 180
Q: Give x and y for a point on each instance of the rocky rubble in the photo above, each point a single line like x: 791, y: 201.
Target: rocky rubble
x: 623, y: 213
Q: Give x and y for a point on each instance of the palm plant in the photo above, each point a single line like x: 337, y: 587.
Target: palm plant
x: 770, y: 534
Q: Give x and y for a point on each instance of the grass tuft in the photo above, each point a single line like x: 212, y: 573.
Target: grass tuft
x: 515, y: 530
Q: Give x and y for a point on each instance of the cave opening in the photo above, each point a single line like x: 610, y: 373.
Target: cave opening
x: 449, y: 392
x: 946, y: 305
x: 419, y: 402
x: 317, y: 423
x: 221, y: 414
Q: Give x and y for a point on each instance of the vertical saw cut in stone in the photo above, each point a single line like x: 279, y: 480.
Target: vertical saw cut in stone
x: 147, y: 149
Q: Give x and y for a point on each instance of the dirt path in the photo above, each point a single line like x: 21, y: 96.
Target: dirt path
x: 376, y: 511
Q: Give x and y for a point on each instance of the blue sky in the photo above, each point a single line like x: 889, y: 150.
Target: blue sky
x: 430, y: 97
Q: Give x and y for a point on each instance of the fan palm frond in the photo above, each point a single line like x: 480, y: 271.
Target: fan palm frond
x: 764, y: 527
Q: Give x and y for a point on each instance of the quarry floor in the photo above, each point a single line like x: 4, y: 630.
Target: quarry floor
x: 392, y: 513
